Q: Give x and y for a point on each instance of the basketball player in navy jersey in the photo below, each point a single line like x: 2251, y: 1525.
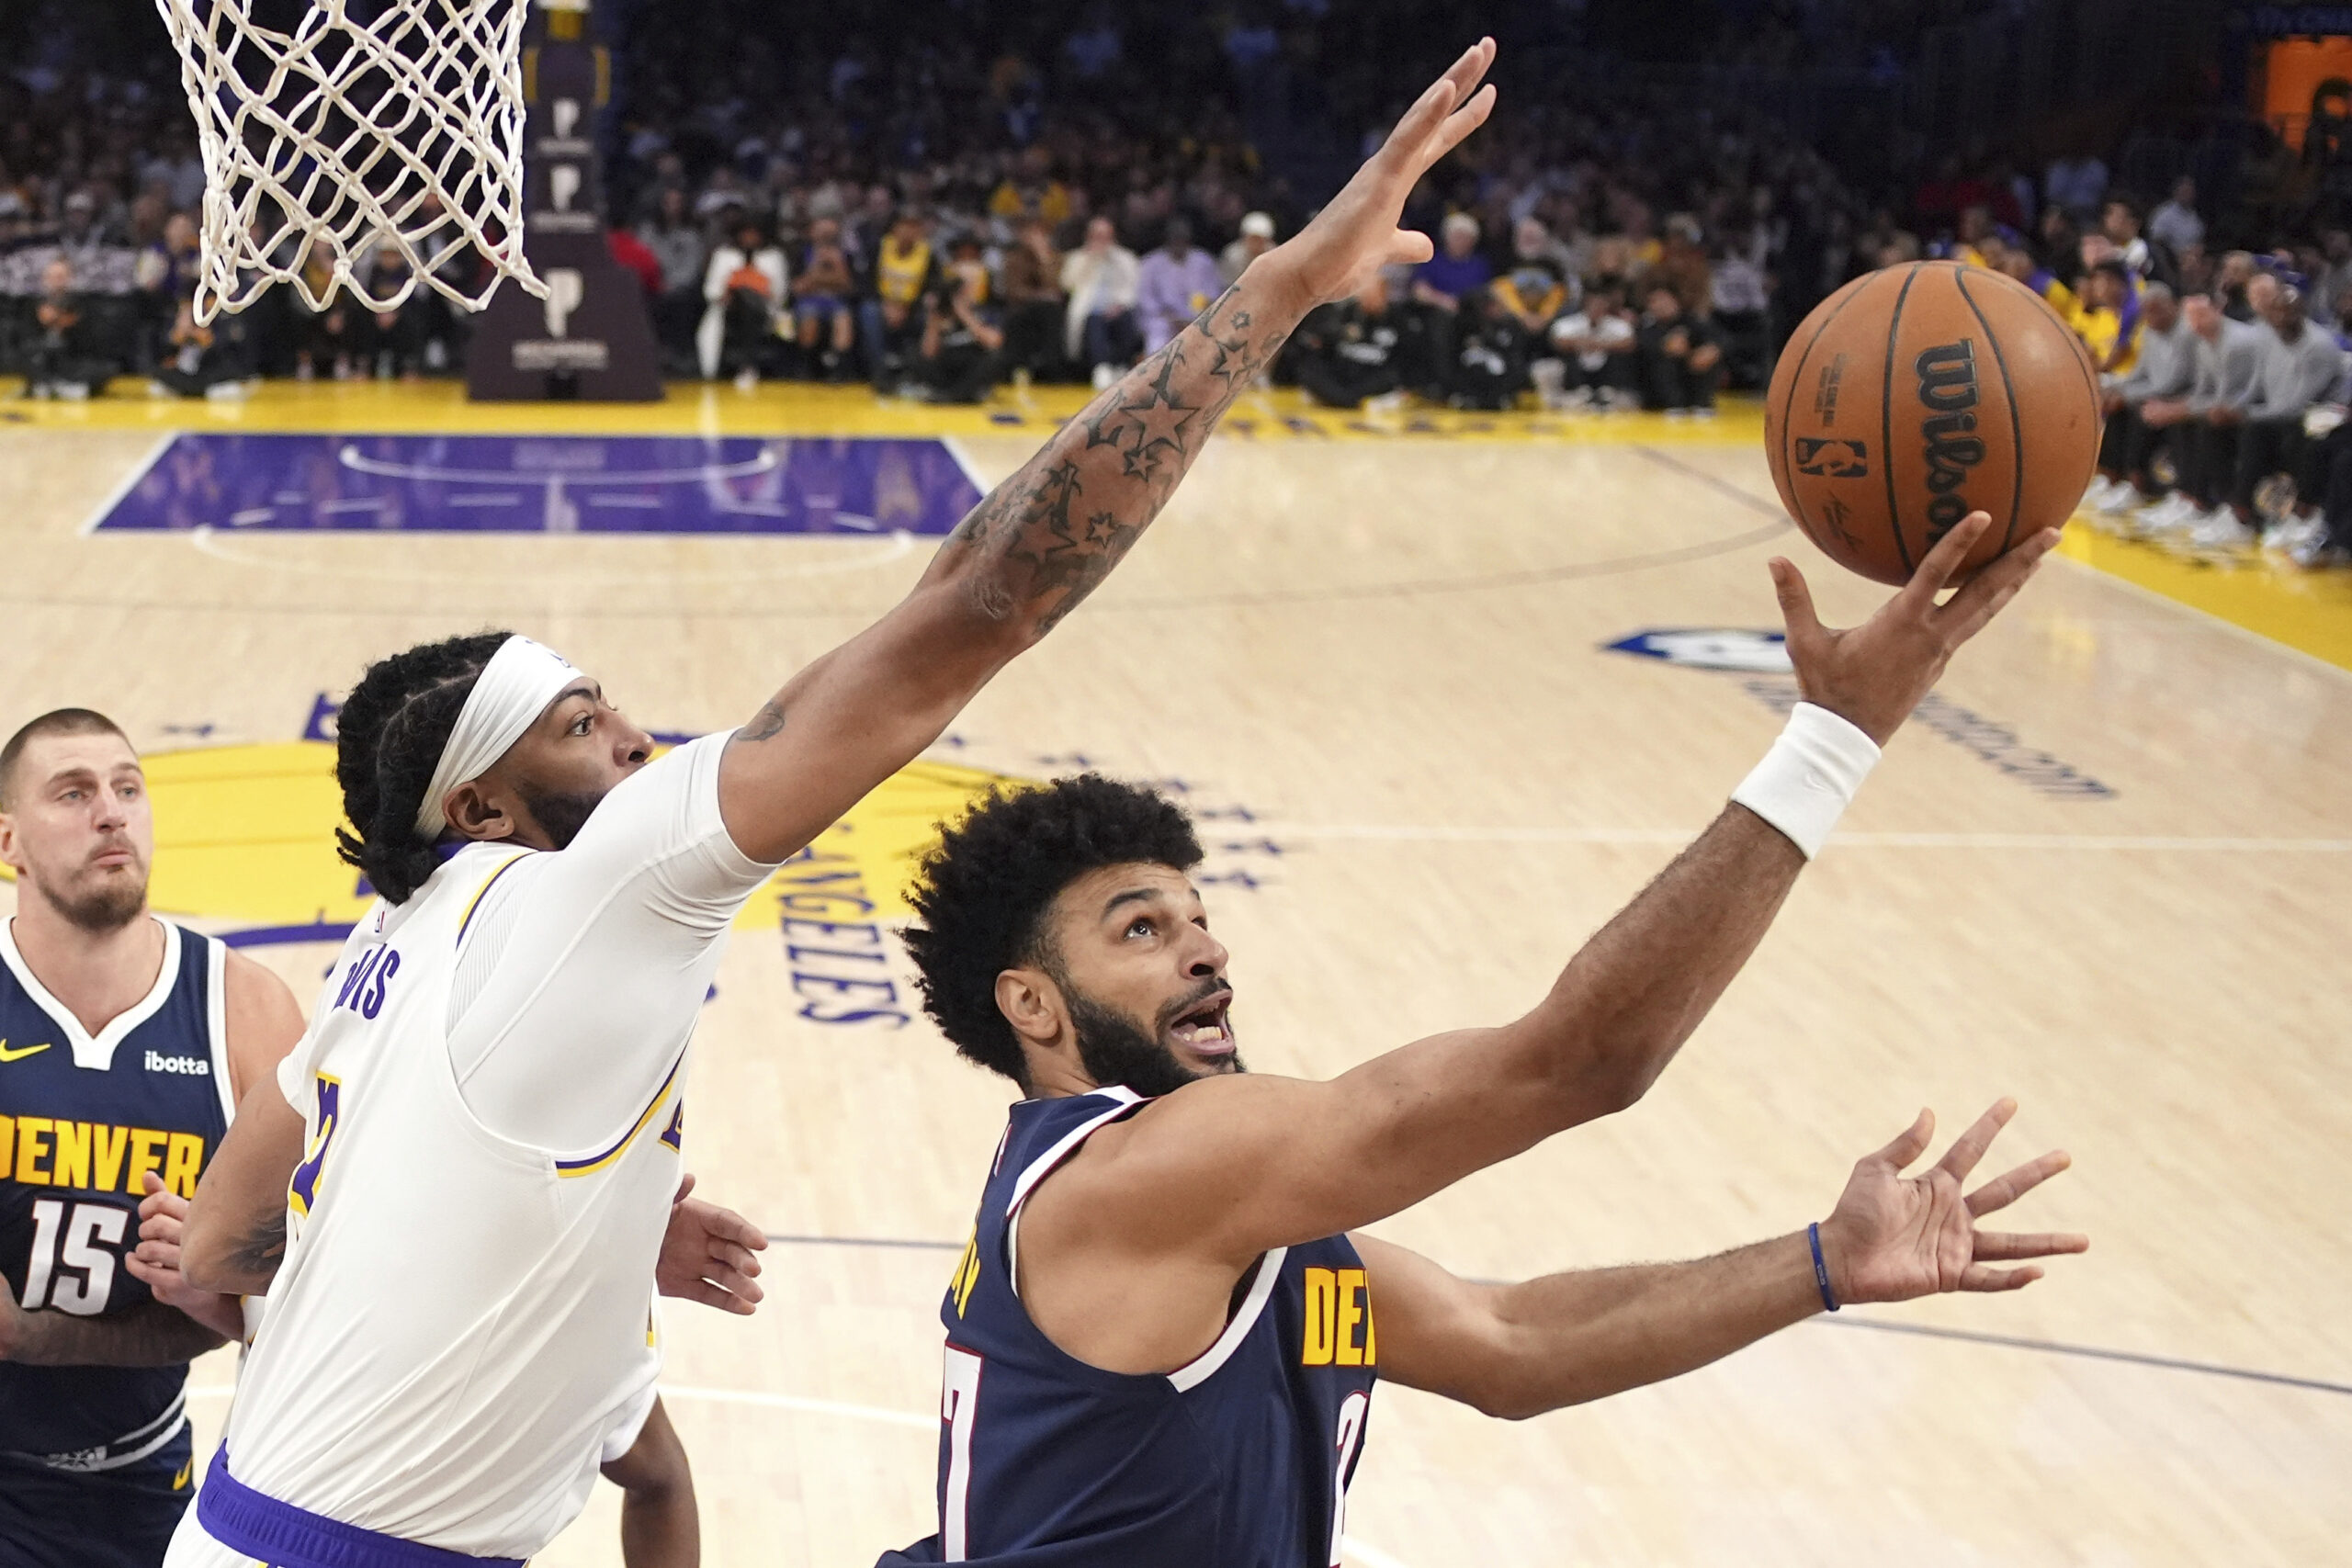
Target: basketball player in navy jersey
x: 1161, y: 1338
x: 124, y: 1042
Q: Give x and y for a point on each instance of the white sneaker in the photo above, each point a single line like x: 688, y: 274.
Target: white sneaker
x: 1103, y: 376
x: 2220, y: 529
x: 747, y: 380
x: 2095, y: 497
x: 2290, y: 532
x: 2174, y: 510
x: 1388, y: 403
x: 2315, y: 554
x: 2122, y: 496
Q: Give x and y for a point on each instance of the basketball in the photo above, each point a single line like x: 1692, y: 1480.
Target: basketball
x: 1918, y: 394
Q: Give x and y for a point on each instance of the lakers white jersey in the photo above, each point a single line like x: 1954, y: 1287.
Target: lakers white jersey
x: 461, y: 1318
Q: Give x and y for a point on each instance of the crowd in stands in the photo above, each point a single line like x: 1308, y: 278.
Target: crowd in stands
x: 2225, y: 372
x: 940, y: 219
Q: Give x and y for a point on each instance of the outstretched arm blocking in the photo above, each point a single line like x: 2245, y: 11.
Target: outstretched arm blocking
x: 1032, y: 551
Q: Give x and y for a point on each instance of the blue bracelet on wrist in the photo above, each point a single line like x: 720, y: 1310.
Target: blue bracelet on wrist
x: 1820, y: 1269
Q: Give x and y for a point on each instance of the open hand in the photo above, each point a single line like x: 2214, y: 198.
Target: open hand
x: 1355, y: 234
x: 156, y: 1262
x: 1874, y: 674
x: 706, y: 1255
x: 1893, y: 1237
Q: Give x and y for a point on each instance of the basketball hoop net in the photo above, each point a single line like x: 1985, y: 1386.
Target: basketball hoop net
x: 373, y: 124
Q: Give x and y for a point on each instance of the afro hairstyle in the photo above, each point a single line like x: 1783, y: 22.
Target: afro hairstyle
x: 982, y: 896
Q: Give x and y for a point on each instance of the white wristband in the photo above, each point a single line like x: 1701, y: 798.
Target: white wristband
x: 1808, y: 778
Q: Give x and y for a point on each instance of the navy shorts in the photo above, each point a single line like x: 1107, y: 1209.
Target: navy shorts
x: 107, y: 1518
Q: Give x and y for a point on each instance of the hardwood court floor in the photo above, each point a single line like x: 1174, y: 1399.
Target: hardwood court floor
x: 2109, y: 878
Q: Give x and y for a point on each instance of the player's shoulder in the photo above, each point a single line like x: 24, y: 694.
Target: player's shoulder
x: 248, y: 985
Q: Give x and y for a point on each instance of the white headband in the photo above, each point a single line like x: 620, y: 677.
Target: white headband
x: 513, y: 689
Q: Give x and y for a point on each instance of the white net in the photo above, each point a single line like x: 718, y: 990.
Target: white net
x: 338, y: 132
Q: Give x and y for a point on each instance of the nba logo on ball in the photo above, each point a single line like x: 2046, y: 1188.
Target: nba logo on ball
x: 1833, y: 460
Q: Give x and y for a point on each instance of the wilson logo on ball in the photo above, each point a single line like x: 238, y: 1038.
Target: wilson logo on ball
x: 1835, y: 459
x: 1948, y: 392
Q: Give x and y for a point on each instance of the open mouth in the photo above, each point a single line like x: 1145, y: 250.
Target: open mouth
x: 1206, y: 1029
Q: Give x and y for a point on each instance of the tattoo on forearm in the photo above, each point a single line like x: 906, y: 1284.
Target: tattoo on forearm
x: 1045, y: 537
x: 263, y: 1248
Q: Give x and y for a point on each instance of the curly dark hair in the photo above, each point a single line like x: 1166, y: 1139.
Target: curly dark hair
x: 982, y: 895
x: 389, y: 737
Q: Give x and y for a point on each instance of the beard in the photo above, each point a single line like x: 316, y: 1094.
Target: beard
x: 104, y: 907
x: 560, y: 814
x: 1113, y: 1050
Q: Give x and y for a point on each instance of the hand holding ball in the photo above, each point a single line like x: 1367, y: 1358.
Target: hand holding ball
x: 1918, y: 394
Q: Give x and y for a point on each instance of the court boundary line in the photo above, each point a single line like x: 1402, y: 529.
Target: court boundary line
x: 2244, y: 632
x: 1882, y: 1325
x: 955, y: 446
x: 2092, y: 1352
x: 204, y: 538
x: 2152, y: 844
x: 138, y: 472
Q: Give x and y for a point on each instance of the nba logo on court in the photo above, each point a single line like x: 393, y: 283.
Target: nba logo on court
x: 1751, y: 653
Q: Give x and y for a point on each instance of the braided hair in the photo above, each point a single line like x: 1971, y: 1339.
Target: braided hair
x: 388, y: 739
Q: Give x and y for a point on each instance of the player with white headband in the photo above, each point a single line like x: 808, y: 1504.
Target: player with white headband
x: 457, y: 1184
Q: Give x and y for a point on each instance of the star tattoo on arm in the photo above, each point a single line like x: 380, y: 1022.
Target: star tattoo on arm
x: 1044, y: 539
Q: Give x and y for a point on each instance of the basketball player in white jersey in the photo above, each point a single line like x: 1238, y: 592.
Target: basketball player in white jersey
x: 126, y: 1042
x: 467, y: 1162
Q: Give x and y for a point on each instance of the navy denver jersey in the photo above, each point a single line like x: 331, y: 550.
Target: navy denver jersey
x: 1238, y: 1459
x: 82, y: 1122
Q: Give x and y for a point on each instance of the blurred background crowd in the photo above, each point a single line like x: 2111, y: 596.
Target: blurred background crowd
x: 938, y: 198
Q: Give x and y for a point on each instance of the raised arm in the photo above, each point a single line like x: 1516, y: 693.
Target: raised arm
x: 1518, y: 1351
x: 1030, y: 552
x: 1224, y: 1168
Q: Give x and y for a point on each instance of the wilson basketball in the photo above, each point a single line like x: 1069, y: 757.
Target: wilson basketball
x: 1918, y: 394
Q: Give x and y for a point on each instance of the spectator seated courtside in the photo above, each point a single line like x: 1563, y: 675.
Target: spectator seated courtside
x: 1101, y: 280
x: 1370, y: 349
x: 824, y: 303
x: 905, y: 273
x: 1682, y: 359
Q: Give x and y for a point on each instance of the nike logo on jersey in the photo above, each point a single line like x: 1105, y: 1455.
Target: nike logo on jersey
x: 191, y: 1066
x: 21, y: 1052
